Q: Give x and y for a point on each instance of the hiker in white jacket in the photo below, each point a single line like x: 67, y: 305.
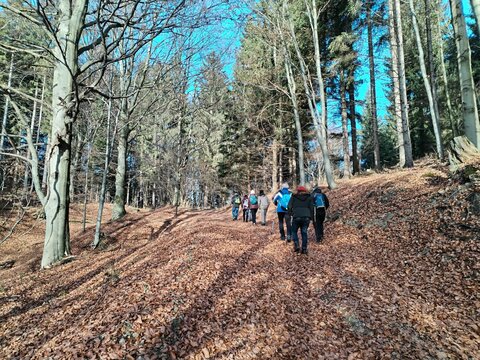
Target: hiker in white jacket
x: 263, y: 204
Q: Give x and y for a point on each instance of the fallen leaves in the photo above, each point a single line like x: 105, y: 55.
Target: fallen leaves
x: 393, y: 280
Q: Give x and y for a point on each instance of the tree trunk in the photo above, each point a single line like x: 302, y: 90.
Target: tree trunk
x: 298, y: 126
x: 405, y: 144
x: 118, y: 210
x: 373, y: 89
x: 101, y: 203
x: 464, y: 59
x: 353, y: 123
x: 430, y: 95
x: 275, y: 166
x: 5, y: 109
x: 57, y: 234
x: 346, y: 147
x: 320, y: 122
x: 439, y: 39
x: 32, y: 128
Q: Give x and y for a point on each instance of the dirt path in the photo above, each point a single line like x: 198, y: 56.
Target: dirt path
x: 202, y: 286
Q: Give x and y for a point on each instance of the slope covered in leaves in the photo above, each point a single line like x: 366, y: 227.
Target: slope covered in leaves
x: 397, y: 277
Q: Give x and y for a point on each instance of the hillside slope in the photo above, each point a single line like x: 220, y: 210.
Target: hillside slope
x: 397, y: 277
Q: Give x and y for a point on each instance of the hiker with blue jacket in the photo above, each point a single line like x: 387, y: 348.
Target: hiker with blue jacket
x: 253, y: 206
x: 322, y: 204
x: 281, y: 200
x: 301, y: 210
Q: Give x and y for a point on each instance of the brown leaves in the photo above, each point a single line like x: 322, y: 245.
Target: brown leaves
x: 404, y: 284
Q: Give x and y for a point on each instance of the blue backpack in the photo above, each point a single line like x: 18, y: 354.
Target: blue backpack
x: 253, y: 200
x: 319, y: 200
x: 284, y: 200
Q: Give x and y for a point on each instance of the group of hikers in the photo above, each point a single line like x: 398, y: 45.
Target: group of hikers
x: 295, y: 211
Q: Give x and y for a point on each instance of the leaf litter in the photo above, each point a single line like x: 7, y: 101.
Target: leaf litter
x: 396, y: 278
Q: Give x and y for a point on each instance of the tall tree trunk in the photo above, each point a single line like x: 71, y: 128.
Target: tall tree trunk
x: 298, y: 126
x: 353, y: 122
x: 428, y: 88
x: 439, y: 39
x: 406, y: 158
x: 118, y: 209
x: 275, y: 165
x: 346, y: 147
x: 57, y: 235
x: 464, y: 59
x: 32, y: 128
x: 5, y: 109
x: 373, y: 89
x: 320, y: 122
x: 108, y: 150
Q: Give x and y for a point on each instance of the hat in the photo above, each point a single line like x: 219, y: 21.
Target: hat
x: 285, y: 186
x: 252, y: 192
x: 301, y: 189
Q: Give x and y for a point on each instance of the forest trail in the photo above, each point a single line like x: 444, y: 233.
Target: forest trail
x: 390, y: 281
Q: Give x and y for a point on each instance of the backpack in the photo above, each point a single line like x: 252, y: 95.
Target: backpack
x: 319, y: 200
x: 245, y: 204
x: 237, y: 201
x: 284, y: 200
x: 253, y: 200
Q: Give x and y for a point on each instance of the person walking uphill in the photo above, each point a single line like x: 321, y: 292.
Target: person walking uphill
x: 236, y: 202
x: 253, y: 206
x: 281, y: 200
x: 263, y: 204
x: 300, y: 209
x: 245, y: 208
x: 322, y: 204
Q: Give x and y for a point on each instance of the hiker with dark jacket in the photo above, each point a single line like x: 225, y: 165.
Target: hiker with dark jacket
x: 321, y: 203
x: 281, y: 200
x: 236, y: 201
x: 300, y: 209
x: 245, y: 208
x: 253, y: 206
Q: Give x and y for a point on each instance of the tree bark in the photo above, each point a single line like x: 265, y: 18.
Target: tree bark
x: 275, y: 166
x: 426, y: 81
x: 373, y: 89
x: 464, y: 59
x: 118, y: 209
x: 346, y: 147
x: 71, y: 18
x: 101, y: 202
x: 298, y: 126
x: 353, y: 123
x: 5, y: 109
x: 406, y: 158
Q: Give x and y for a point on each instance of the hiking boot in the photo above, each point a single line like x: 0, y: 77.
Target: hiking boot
x: 305, y: 251
x: 296, y: 250
x: 282, y: 238
x: 319, y: 240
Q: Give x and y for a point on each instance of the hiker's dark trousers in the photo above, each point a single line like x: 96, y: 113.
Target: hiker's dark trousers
x: 302, y: 224
x: 254, y: 215
x: 284, y: 217
x: 245, y: 215
x: 319, y: 220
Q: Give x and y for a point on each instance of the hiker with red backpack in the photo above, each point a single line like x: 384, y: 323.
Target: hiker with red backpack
x: 245, y: 208
x: 322, y: 204
x: 236, y: 202
x: 281, y: 200
x: 253, y: 206
x: 301, y: 210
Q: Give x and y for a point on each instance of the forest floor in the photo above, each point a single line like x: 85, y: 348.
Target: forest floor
x: 397, y: 278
